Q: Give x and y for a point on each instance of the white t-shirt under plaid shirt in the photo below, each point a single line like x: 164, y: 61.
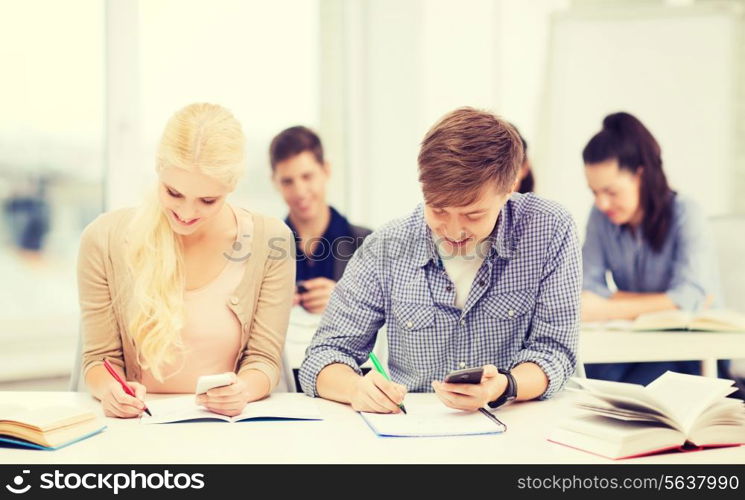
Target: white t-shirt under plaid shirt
x: 462, y: 270
x: 523, y: 305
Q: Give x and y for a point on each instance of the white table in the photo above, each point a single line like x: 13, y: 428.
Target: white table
x: 618, y: 346
x: 342, y: 437
x: 595, y: 346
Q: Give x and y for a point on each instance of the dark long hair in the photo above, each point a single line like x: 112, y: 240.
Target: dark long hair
x: 627, y: 140
x: 527, y: 185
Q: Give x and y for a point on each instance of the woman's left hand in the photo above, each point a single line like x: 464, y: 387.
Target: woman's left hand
x: 227, y: 400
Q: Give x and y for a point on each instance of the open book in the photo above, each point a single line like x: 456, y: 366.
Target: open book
x: 279, y: 406
x: 713, y: 320
x: 675, y: 411
x: 428, y: 416
x: 47, y: 428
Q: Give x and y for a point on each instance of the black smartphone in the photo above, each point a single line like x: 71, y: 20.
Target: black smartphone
x: 465, y: 376
x: 300, y: 288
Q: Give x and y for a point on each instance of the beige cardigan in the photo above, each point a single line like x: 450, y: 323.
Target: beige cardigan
x: 262, y: 300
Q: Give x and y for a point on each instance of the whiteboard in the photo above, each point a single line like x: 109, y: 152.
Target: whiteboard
x: 674, y: 68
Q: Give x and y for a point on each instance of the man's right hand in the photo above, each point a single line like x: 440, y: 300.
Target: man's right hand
x: 373, y: 393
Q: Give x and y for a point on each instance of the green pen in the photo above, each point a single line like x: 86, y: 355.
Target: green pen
x: 379, y: 368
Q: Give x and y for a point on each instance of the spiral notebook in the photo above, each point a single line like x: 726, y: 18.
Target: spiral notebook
x: 427, y: 416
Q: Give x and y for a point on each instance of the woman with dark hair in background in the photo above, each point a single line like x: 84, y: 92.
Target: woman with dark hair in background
x: 654, y: 242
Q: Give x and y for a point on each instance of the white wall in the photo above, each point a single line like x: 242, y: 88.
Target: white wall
x: 417, y: 60
x: 522, y: 52
x: 674, y: 68
x: 413, y: 61
x: 50, y: 89
x: 371, y: 75
x: 259, y: 59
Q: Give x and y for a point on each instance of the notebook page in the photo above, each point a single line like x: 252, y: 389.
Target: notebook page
x: 663, y: 320
x: 281, y: 405
x: 686, y: 396
x: 430, y: 417
x: 176, y: 409
x: 721, y: 318
x: 620, y: 391
x: 46, y: 418
x: 8, y: 412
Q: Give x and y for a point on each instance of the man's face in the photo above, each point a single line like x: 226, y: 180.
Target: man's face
x: 458, y: 230
x: 302, y: 182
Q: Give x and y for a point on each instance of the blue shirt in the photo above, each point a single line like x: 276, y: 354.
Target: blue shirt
x: 523, y: 305
x: 684, y: 269
x: 320, y: 264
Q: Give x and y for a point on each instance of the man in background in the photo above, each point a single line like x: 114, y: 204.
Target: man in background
x: 325, y: 239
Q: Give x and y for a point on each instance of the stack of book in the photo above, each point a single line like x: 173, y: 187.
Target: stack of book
x: 674, y: 412
x: 46, y: 428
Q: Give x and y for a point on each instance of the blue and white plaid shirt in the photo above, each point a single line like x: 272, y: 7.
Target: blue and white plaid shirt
x: 685, y: 268
x: 523, y: 305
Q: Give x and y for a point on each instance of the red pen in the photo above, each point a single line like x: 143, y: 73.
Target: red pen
x: 124, y: 385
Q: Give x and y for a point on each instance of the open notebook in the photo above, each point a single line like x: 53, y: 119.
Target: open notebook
x: 46, y: 428
x: 710, y: 320
x: 429, y: 417
x: 280, y: 406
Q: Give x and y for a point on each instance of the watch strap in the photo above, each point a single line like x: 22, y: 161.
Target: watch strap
x: 510, y: 392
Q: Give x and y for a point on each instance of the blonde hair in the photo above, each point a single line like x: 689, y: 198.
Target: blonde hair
x: 204, y: 138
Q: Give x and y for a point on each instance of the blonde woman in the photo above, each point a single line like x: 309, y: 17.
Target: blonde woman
x: 187, y: 285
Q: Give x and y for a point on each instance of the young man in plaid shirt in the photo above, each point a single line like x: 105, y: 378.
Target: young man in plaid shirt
x: 475, y: 277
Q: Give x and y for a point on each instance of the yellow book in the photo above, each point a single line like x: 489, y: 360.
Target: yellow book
x: 711, y: 320
x: 46, y: 428
x: 714, y: 320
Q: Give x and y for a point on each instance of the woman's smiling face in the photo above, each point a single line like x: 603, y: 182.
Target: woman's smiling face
x: 190, y: 199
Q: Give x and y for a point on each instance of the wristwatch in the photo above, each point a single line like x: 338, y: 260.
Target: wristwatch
x: 509, y: 394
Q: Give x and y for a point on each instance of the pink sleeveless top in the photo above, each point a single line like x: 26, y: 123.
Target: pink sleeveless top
x: 211, y: 335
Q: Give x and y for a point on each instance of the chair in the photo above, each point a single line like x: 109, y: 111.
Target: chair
x: 728, y: 233
x: 286, y: 377
x: 77, y: 384
x: 579, y: 370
